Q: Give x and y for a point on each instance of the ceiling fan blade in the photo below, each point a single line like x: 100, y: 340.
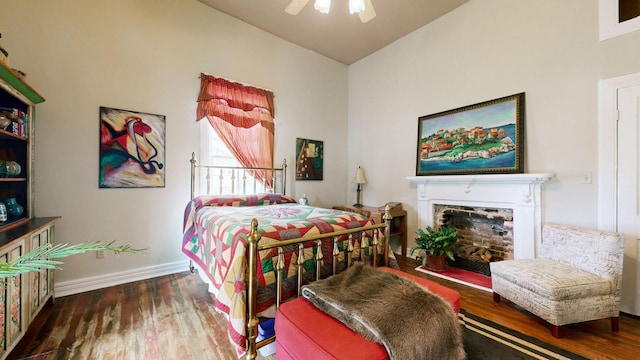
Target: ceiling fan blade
x: 295, y: 6
x: 368, y: 13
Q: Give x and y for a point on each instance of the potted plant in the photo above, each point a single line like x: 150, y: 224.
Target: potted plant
x: 436, y: 246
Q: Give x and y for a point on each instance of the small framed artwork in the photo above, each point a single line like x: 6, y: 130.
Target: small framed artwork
x: 487, y: 137
x: 309, y: 154
x: 132, y: 149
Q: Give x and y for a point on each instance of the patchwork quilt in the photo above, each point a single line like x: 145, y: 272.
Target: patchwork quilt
x: 215, y: 237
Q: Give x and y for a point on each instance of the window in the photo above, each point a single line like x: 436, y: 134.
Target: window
x: 242, y: 116
x: 213, y: 151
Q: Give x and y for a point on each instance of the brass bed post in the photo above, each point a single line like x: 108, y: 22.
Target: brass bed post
x: 252, y: 290
x: 387, y: 232
x: 279, y: 270
x: 336, y: 254
x: 319, y: 258
x: 349, y: 250
x: 374, y: 241
x: 284, y: 177
x: 300, y: 267
x: 194, y: 164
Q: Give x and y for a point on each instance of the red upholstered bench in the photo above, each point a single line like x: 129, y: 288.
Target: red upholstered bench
x: 304, y: 332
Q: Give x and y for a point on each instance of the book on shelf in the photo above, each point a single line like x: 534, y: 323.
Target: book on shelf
x: 19, y: 121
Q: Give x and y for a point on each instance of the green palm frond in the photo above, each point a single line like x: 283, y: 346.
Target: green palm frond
x: 42, y: 257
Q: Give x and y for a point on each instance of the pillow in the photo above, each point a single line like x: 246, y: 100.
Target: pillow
x: 246, y: 200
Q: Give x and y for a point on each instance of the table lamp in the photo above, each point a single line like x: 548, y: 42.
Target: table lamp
x: 359, y: 179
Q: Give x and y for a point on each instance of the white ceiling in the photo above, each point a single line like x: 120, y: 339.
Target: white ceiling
x: 337, y: 35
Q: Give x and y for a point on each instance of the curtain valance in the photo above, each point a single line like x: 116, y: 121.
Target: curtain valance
x: 240, y: 105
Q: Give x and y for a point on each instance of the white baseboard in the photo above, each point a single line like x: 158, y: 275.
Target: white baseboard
x: 98, y: 282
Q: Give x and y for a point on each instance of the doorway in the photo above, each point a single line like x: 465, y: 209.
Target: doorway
x: 619, y: 166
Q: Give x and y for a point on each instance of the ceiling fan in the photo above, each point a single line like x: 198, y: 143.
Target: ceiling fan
x: 364, y: 8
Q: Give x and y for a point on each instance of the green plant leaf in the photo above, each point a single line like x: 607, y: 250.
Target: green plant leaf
x: 436, y: 242
x: 41, y: 258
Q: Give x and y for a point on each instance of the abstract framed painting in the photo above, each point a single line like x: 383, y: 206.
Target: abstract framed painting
x: 309, y: 155
x: 132, y: 149
x: 483, y: 138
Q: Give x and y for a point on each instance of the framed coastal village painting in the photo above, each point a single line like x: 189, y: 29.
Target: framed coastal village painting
x: 484, y: 138
x: 132, y: 149
x: 309, y: 155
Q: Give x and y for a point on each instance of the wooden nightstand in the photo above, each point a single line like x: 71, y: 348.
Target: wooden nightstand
x: 398, y: 223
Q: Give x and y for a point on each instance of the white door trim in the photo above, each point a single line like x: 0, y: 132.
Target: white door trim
x: 607, y: 148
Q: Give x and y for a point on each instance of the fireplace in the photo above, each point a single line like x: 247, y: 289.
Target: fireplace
x: 511, y: 202
x: 484, y: 235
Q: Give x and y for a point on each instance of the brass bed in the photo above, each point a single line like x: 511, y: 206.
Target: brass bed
x: 274, y: 256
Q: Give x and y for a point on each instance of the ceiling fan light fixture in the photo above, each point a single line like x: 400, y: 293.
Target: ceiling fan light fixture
x: 323, y: 6
x: 356, y: 6
x: 363, y: 8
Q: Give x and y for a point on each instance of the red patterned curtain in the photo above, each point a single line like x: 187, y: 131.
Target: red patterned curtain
x: 242, y: 116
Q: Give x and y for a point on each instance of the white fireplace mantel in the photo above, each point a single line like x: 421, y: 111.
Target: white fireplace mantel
x: 519, y: 192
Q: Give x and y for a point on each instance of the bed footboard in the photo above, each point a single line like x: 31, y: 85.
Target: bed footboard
x: 378, y: 233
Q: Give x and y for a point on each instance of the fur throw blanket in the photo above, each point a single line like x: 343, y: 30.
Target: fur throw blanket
x: 409, y: 321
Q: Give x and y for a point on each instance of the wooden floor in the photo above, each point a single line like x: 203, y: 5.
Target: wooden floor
x: 592, y: 339
x: 73, y: 327
x: 165, y: 318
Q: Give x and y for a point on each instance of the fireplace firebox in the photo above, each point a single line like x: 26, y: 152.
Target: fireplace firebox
x: 484, y: 235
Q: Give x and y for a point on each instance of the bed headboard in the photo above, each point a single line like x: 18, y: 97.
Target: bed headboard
x: 207, y: 179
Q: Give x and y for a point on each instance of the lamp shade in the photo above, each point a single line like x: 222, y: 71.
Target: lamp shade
x: 359, y: 178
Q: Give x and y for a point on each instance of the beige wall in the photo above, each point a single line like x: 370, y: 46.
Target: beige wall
x: 481, y: 51
x: 146, y: 56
